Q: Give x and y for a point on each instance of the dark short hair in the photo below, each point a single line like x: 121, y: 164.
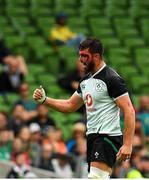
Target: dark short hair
x: 60, y: 16
x: 94, y: 45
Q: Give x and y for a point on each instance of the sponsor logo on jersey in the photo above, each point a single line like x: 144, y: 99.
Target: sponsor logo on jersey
x: 89, y: 100
x: 96, y: 155
x: 99, y: 87
x: 83, y: 86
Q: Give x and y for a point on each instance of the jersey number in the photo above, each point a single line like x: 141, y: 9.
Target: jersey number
x: 89, y: 100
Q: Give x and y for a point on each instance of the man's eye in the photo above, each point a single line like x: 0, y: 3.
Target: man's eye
x: 84, y: 55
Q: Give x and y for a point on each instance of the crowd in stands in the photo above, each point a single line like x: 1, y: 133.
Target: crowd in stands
x: 30, y: 137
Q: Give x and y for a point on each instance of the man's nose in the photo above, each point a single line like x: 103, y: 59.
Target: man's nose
x: 82, y: 59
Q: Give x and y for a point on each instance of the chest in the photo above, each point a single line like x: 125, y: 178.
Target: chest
x: 94, y: 90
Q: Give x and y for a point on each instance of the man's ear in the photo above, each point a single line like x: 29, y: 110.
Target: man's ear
x: 97, y: 56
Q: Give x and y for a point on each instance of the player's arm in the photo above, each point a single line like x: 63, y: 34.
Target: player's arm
x: 118, y: 90
x: 124, y: 103
x: 69, y: 105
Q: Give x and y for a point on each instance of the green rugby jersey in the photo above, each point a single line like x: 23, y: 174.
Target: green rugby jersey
x: 99, y: 92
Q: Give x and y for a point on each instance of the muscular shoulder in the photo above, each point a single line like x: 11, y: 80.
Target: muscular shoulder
x: 115, y: 83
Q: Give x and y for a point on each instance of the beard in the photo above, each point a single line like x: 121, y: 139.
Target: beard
x: 89, y: 67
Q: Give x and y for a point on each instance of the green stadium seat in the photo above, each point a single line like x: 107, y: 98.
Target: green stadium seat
x: 71, y: 62
x: 128, y: 71
x: 141, y: 58
x: 66, y: 3
x: 12, y: 98
x: 55, y: 90
x: 110, y: 42
x: 124, y: 22
x: 138, y: 11
x: 119, y: 51
x: 66, y: 51
x: 14, y: 3
x: 135, y: 100
x: 82, y: 30
x: 46, y: 21
x: 52, y: 64
x: 134, y: 42
x: 16, y: 11
x: 91, y: 8
x: 3, y: 21
x: 101, y: 27
x: 126, y: 32
x: 74, y: 21
x: 145, y: 27
x: 43, y: 3
x: 102, y: 32
x: 123, y: 3
x: 138, y: 83
x: 30, y: 78
x: 5, y: 108
x: 93, y: 4
x: 13, y: 41
x: 103, y: 22
x: 112, y: 10
x: 139, y: 3
x: 73, y: 117
x: 32, y: 87
x: 47, y: 80
x: 23, y: 21
x: 36, y: 69
x: 7, y: 30
x: 1, y: 68
x: 119, y: 61
x: 145, y: 90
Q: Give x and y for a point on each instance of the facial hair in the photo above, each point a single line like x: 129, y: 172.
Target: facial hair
x: 89, y: 67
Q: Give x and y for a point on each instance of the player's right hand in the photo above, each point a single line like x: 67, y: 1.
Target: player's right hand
x: 39, y: 95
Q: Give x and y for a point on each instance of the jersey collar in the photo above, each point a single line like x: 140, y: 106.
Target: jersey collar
x: 99, y: 70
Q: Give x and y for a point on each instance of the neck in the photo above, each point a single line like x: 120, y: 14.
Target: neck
x: 98, y: 66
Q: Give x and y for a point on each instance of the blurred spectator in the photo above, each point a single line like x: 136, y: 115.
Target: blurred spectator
x: 61, y: 33
x: 5, y: 144
x: 35, y: 144
x: 46, y: 157
x: 141, y: 169
x: 25, y: 135
x: 79, y: 130
x: 24, y: 100
x: 17, y: 147
x: 20, y: 169
x: 120, y: 170
x: 137, y: 141
x: 80, y: 158
x: 143, y: 115
x: 61, y: 145
x: 139, y: 129
x: 51, y: 139
x: 137, y: 153
x: 143, y: 104
x: 20, y: 117
x: 43, y: 118
x: 71, y: 80
x: 6, y: 57
x: 62, y: 166
x: 3, y: 121
x: 12, y: 78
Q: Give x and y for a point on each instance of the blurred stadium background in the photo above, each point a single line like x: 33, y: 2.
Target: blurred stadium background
x: 122, y: 26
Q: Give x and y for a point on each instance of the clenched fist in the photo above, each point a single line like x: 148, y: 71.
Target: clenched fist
x: 39, y: 95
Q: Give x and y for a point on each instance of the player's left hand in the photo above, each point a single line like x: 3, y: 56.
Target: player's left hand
x: 124, y: 153
x: 39, y: 95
